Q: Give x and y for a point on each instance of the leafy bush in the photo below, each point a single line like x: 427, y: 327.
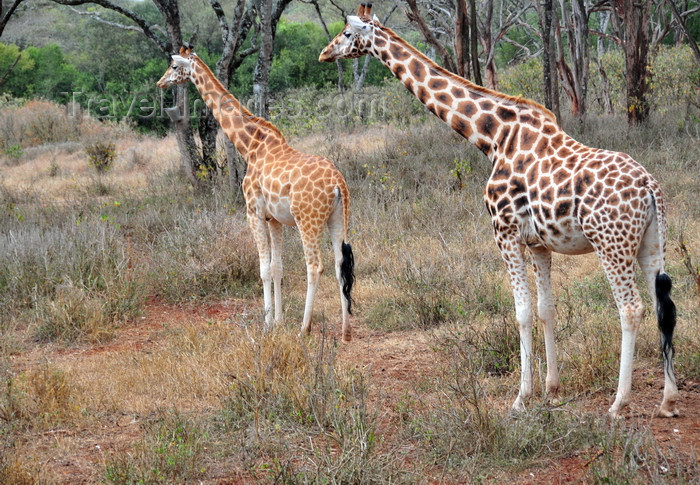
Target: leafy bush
x: 524, y: 79
x: 101, y: 155
x: 674, y: 80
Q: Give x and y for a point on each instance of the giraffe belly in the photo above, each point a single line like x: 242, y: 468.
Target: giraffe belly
x: 563, y: 237
x: 569, y: 239
x: 279, y: 210
x: 571, y: 244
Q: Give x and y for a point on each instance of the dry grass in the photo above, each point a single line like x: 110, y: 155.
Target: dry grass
x: 97, y: 389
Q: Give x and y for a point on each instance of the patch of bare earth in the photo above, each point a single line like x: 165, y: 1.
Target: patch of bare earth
x: 396, y: 363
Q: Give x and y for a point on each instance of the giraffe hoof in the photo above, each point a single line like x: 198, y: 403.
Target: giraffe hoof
x: 347, y: 337
x: 518, y: 407
x: 668, y: 411
x: 615, y: 414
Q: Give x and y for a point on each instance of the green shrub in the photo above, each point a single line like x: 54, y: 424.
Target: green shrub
x: 524, y: 79
x: 101, y: 156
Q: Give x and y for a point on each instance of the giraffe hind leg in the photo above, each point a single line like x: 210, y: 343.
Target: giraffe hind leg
x: 344, y: 268
x: 542, y: 262
x: 314, y: 269
x: 651, y: 261
x: 620, y: 273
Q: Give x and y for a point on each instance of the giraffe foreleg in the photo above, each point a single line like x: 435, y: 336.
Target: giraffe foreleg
x: 542, y: 260
x: 512, y: 253
x: 276, y: 269
x: 262, y: 241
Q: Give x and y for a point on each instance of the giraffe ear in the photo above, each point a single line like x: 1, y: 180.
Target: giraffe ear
x: 357, y: 25
x: 180, y: 61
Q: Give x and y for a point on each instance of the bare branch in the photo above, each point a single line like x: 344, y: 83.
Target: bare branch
x: 221, y: 15
x: 4, y: 76
x: 145, y: 27
x: 96, y: 16
x: 681, y: 23
x: 415, y: 17
x: 5, y: 17
x: 341, y: 9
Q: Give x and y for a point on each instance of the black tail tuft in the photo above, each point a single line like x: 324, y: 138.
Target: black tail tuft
x: 665, y: 315
x: 347, y: 272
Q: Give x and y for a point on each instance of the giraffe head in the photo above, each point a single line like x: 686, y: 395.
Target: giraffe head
x: 180, y: 69
x: 355, y: 39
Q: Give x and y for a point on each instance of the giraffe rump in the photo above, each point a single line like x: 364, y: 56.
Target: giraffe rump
x: 347, y: 273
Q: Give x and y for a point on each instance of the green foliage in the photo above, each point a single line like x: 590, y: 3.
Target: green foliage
x: 41, y: 72
x: 295, y: 60
x: 25, y: 64
x: 101, y: 156
x: 524, y: 80
x: 674, y: 78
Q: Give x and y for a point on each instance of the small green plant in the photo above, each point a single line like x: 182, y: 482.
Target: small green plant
x: 461, y: 169
x: 53, y: 169
x: 172, y: 452
x: 101, y: 156
x: 14, y: 151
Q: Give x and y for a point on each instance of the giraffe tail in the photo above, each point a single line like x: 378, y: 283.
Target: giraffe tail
x: 665, y: 308
x: 665, y: 315
x: 347, y: 273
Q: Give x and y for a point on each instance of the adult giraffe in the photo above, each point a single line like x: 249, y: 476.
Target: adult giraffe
x: 282, y: 187
x: 547, y: 192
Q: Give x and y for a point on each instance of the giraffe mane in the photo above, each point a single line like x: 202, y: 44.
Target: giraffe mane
x: 244, y: 111
x: 515, y: 100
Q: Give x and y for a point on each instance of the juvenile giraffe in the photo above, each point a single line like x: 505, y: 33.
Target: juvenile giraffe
x: 282, y: 187
x: 547, y: 192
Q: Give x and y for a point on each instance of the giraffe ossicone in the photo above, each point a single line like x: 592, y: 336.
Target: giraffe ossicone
x: 281, y: 187
x: 548, y: 193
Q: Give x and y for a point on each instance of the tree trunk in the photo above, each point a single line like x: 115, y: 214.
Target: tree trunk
x: 180, y: 116
x: 606, y: 100
x: 634, y: 16
x: 489, y: 43
x: 549, y: 73
x: 208, y: 128
x: 461, y: 40
x: 236, y: 167
x: 261, y: 76
x: 360, y: 73
x: 574, y: 77
x: 474, y: 41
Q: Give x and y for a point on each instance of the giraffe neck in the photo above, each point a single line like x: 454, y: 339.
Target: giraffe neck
x: 247, y: 132
x: 478, y: 114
